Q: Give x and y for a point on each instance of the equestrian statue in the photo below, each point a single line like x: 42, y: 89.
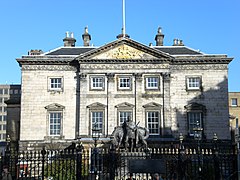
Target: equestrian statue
x: 130, y: 135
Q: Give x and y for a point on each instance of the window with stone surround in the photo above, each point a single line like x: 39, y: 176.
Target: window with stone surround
x: 55, y: 119
x: 96, y: 83
x: 124, y: 83
x: 195, y: 116
x: 152, y: 83
x: 96, y: 117
x: 234, y: 102
x: 55, y: 83
x: 193, y: 82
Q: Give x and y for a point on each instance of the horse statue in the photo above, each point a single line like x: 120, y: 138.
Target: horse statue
x: 122, y: 137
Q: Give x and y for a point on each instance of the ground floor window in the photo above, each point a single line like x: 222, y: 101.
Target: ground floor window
x: 124, y: 115
x: 194, y: 123
x: 97, y: 120
x: 55, y: 123
x: 153, y: 122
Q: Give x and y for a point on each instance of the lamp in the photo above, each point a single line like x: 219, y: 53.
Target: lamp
x: 95, y: 134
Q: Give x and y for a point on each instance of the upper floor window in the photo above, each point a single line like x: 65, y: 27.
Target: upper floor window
x: 193, y: 83
x: 124, y: 83
x: 97, y: 83
x: 234, y: 102
x: 152, y: 83
x: 56, y: 83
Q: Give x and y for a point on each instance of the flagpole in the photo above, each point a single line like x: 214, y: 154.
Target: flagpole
x: 123, y: 13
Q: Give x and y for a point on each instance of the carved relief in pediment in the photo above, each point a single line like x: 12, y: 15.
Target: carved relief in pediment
x: 124, y: 52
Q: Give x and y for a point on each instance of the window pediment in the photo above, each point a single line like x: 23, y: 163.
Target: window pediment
x: 152, y: 105
x: 96, y: 105
x: 124, y: 105
x: 195, y: 107
x: 55, y: 107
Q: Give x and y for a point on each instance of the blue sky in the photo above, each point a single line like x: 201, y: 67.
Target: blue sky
x: 211, y: 26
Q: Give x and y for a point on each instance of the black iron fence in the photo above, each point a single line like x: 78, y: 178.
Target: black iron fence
x: 206, y: 161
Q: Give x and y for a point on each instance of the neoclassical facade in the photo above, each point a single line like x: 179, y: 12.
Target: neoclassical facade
x: 168, y: 89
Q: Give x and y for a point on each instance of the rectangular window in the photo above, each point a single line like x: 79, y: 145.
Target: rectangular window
x: 5, y: 91
x: 234, y: 102
x: 55, y: 123
x: 123, y: 116
x: 4, y: 127
x: 1, y: 100
x: 4, y: 118
x: 153, y: 118
x: 194, y: 122
x: 97, y: 83
x: 152, y: 83
x: 1, y: 91
x: 97, y: 120
x: 124, y: 83
x: 56, y: 84
x: 193, y: 83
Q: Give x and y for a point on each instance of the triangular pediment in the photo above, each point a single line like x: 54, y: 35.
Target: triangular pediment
x: 152, y: 105
x: 124, y: 49
x: 195, y: 106
x: 96, y: 105
x: 54, y: 107
x: 124, y: 105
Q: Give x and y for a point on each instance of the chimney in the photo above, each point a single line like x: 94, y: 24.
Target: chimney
x: 178, y: 42
x: 159, y: 37
x: 86, y: 37
x: 69, y: 40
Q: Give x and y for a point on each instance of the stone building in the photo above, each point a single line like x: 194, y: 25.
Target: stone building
x: 234, y: 109
x: 68, y: 91
x: 7, y: 93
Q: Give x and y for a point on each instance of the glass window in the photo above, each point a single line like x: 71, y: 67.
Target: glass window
x: 4, y: 127
x: 55, y: 83
x: 1, y: 91
x: 193, y: 83
x: 5, y: 91
x: 97, y: 82
x: 234, y: 102
x: 4, y: 118
x: 123, y: 116
x: 55, y: 123
x: 1, y: 100
x: 152, y: 82
x: 97, y: 120
x: 124, y: 83
x: 153, y: 118
x: 194, y: 122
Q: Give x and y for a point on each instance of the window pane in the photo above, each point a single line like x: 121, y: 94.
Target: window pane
x: 123, y: 116
x: 194, y: 83
x: 152, y: 83
x: 97, y: 82
x: 234, y: 102
x: 124, y: 82
x: 55, y: 123
x: 97, y: 120
x: 194, y: 120
x: 153, y: 122
x: 56, y: 83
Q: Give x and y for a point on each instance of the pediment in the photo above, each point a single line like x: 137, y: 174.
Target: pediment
x: 124, y: 105
x: 195, y: 106
x: 124, y: 49
x: 152, y: 105
x: 54, y: 107
x: 96, y: 105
